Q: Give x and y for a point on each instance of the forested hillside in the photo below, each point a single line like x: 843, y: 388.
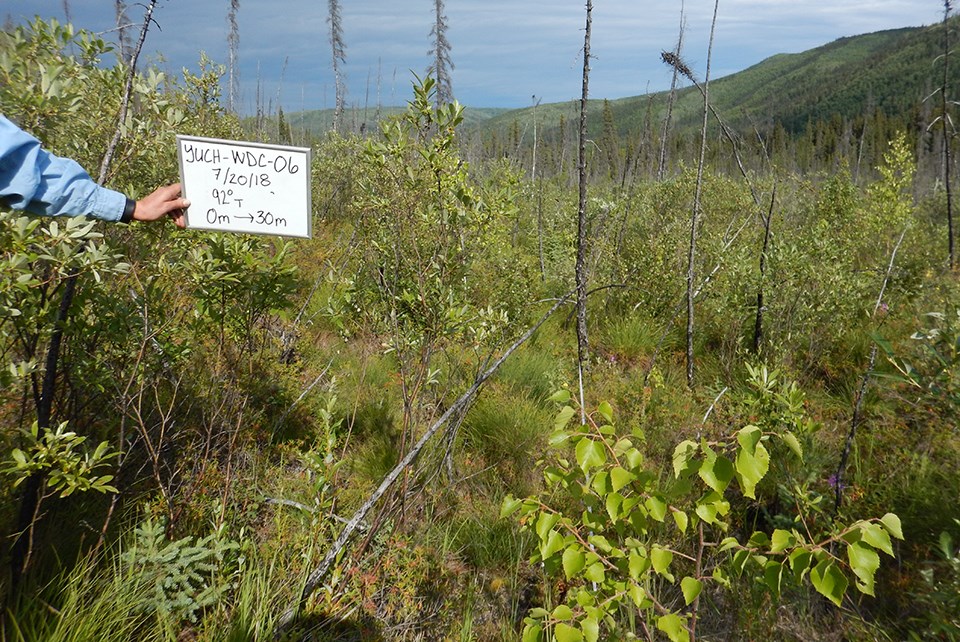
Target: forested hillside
x: 509, y: 390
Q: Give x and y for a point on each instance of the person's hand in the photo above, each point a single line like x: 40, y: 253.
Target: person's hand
x: 164, y: 201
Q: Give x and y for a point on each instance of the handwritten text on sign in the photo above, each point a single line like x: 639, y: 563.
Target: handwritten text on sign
x: 245, y: 187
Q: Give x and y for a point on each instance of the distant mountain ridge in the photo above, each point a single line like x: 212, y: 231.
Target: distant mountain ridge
x: 893, y: 71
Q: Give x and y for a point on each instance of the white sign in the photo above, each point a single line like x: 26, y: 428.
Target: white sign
x: 253, y: 188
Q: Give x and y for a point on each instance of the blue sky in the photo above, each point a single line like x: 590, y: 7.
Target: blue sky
x: 505, y: 51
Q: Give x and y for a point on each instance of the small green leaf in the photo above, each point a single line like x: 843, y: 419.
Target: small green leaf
x: 751, y: 466
x: 657, y: 507
x: 877, y: 537
x: 661, y: 559
x: 794, y: 444
x: 566, y: 633
x: 586, y: 598
x: 728, y: 543
x: 509, y: 506
x: 590, y: 454
x: 531, y: 633
x: 691, y: 589
x: 573, y: 561
x: 620, y: 478
x: 672, y: 624
x: 601, y: 483
x: 545, y: 524
x: 864, y: 562
x: 563, y: 417
x: 639, y: 597
x: 829, y: 581
x: 720, y: 577
x: 681, y: 519
x: 591, y: 629
x: 613, y: 504
x: 892, y: 523
x: 800, y: 563
x: 560, y: 396
x: 772, y: 577
x: 782, y: 540
x: 638, y: 565
x: 606, y: 411
x: 563, y: 612
x: 740, y: 559
x: 553, y: 543
x: 715, y: 471
x: 682, y: 456
x: 595, y: 573
x: 759, y: 539
x: 600, y: 542
x: 706, y: 512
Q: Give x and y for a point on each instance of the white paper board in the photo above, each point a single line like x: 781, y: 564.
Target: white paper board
x: 236, y: 186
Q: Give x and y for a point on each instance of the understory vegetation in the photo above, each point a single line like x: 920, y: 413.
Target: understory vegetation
x: 221, y: 405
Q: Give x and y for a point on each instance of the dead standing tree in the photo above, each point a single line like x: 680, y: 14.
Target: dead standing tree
x: 697, y: 206
x: 338, y: 58
x: 583, y: 346
x: 442, y: 66
x: 233, y: 45
x: 671, y: 99
x: 123, y: 33
x: 946, y: 126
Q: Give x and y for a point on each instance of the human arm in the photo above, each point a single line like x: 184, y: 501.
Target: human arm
x: 34, y: 180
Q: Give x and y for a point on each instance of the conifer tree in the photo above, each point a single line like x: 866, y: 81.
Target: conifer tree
x: 610, y: 141
x: 442, y: 65
x: 339, y: 57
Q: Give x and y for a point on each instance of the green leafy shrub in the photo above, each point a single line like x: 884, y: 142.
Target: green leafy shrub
x: 609, y: 527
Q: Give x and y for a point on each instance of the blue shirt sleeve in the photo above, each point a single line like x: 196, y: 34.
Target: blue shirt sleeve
x: 35, y: 180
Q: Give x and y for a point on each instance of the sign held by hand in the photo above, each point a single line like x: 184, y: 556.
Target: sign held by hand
x: 253, y: 188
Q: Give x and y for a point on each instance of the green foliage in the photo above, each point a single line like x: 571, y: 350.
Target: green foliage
x: 932, y: 364
x: 48, y: 86
x: 421, y: 221
x: 57, y: 455
x: 36, y: 256
x: 939, y: 598
x: 188, y: 575
x: 612, y: 532
x: 236, y: 282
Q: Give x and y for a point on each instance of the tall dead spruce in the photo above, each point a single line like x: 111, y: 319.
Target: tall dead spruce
x: 671, y: 97
x: 583, y: 347
x: 123, y: 31
x: 946, y: 126
x: 442, y: 66
x: 697, y: 206
x: 233, y: 45
x: 338, y: 58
